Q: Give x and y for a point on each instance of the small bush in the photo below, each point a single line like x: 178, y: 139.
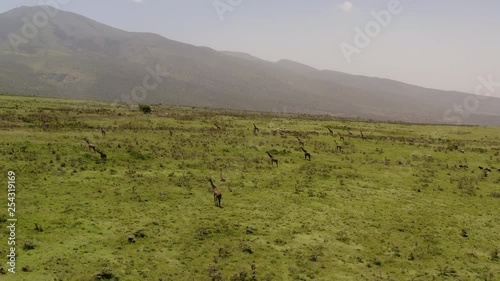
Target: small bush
x: 26, y: 269
x: 146, y: 109
x: 223, y: 252
x: 280, y: 242
x: 342, y: 237
x: 447, y: 272
x: 495, y: 194
x: 250, y: 230
x: 377, y: 262
x: 240, y: 276
x: 495, y: 255
x: 246, y: 247
x: 214, y: 273
x: 467, y: 186
x: 202, y: 233
x: 140, y: 233
x: 105, y: 274
x: 28, y: 245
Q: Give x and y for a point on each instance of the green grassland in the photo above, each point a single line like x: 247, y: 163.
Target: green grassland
x: 395, y: 206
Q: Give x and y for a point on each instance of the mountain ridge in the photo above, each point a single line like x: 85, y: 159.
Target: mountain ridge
x: 74, y: 56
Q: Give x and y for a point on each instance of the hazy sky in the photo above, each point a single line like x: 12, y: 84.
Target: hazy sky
x: 444, y: 44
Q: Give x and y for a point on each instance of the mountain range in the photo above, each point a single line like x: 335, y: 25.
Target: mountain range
x: 71, y: 56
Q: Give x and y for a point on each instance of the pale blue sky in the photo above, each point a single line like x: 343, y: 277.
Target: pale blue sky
x: 443, y: 44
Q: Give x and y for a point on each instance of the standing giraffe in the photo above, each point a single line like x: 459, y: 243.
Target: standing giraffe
x: 273, y: 159
x: 339, y: 147
x: 307, y: 155
x: 362, y: 136
x: 217, y: 194
x: 170, y: 132
x: 301, y: 142
x: 91, y: 145
x: 255, y: 129
x: 103, y: 132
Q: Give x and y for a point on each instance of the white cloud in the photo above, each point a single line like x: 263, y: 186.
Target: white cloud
x: 346, y: 6
x: 138, y: 1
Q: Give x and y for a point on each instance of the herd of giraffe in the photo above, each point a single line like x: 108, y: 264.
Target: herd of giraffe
x: 273, y: 160
x: 216, y: 191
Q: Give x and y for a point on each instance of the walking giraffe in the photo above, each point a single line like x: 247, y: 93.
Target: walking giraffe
x: 339, y: 147
x: 103, y: 155
x: 330, y: 130
x: 340, y: 136
x: 90, y: 145
x: 255, y: 129
x: 217, y: 194
x: 307, y: 155
x: 273, y: 159
x: 301, y: 142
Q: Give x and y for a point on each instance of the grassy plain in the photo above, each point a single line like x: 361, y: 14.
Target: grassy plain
x: 395, y: 206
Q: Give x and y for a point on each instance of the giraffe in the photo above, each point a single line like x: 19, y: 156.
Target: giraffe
x: 170, y: 132
x: 340, y: 136
x: 103, y: 132
x: 362, y: 136
x: 38, y: 227
x: 350, y: 134
x: 91, y: 145
x: 217, y: 126
x: 217, y: 194
x: 331, y: 131
x: 307, y: 155
x: 301, y: 142
x: 103, y: 155
x: 339, y: 147
x: 273, y: 159
x: 255, y: 129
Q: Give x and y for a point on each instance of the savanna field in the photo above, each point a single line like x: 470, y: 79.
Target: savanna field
x: 403, y: 202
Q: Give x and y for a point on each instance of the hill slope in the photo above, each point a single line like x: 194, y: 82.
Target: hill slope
x: 76, y: 57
